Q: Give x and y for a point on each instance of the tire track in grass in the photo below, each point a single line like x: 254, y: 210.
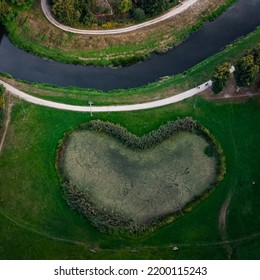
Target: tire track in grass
x: 222, y: 220
x: 28, y: 227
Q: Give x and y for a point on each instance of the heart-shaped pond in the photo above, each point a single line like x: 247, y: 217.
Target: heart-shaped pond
x: 133, y: 187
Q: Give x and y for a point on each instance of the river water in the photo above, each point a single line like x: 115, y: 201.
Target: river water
x: 240, y: 19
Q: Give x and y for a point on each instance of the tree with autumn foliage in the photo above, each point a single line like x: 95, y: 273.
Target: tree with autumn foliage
x: 220, y: 76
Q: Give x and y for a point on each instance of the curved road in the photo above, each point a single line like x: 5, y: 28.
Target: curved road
x: 118, y: 108
x: 174, y: 11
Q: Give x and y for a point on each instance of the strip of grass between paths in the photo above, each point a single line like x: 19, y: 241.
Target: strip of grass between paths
x: 31, y: 193
x: 122, y: 53
x: 165, y: 87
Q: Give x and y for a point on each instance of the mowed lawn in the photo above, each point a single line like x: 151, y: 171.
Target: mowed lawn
x: 36, y: 222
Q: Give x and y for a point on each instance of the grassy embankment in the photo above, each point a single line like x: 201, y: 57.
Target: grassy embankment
x: 37, y: 223
x: 166, y: 87
x: 31, y: 31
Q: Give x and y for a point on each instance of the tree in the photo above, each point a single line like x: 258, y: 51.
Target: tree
x: 124, y: 6
x: 138, y: 14
x: 72, y: 12
x: 154, y: 7
x: 21, y: 3
x: 85, y: 7
x: 220, y: 76
x: 246, y: 71
x: 256, y: 54
x: 66, y: 12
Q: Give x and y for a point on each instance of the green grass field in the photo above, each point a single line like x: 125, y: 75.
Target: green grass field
x: 36, y: 222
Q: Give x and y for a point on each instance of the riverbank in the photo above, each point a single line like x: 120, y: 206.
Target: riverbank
x: 31, y: 31
x: 166, y: 87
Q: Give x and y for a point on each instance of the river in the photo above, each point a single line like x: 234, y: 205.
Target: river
x: 240, y: 19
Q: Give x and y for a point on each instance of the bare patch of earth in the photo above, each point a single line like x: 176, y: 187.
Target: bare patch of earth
x: 223, y: 214
x: 222, y: 225
x: 233, y: 92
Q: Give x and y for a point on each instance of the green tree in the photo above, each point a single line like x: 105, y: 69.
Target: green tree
x: 154, y: 7
x: 220, y: 76
x: 85, y: 8
x: 256, y: 54
x: 124, y: 6
x: 138, y: 14
x: 21, y: 3
x: 66, y: 11
x: 72, y: 12
x: 246, y: 71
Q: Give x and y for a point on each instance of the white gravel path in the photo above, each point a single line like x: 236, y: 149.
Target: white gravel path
x: 112, y: 108
x: 184, y: 5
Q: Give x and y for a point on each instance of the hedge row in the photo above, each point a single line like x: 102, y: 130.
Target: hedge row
x: 105, y: 220
x: 217, y: 152
x: 158, y: 136
x: 147, y: 141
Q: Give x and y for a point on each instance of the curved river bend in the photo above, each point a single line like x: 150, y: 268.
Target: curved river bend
x: 240, y: 19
